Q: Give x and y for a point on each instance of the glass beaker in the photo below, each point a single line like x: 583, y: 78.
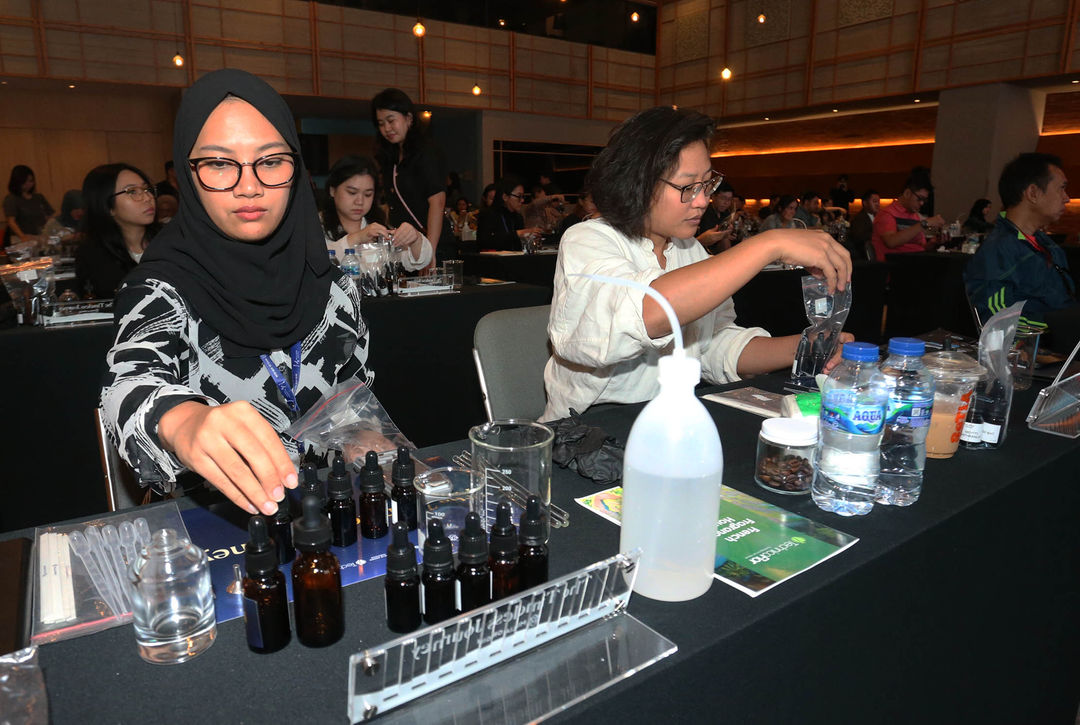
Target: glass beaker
x: 447, y: 494
x: 172, y: 600
x: 955, y: 375
x: 512, y: 458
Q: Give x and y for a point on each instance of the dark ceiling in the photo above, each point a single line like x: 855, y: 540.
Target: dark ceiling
x: 605, y: 23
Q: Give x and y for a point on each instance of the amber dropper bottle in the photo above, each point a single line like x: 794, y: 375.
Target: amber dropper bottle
x: 473, y: 573
x: 503, y: 559
x: 342, y: 506
x: 533, y: 550
x: 402, y: 585
x: 281, y: 532
x: 266, y: 602
x: 310, y: 484
x: 403, y: 493
x: 316, y: 579
x: 372, y: 499
x: 438, y: 576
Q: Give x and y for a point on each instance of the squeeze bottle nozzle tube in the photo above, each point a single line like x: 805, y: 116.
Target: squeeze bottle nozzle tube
x: 403, y: 493
x: 504, y: 557
x: 266, y: 603
x: 372, y: 502
x: 342, y: 506
x: 533, y: 551
x: 473, y: 572
x: 438, y: 576
x: 402, y: 586
x: 672, y: 470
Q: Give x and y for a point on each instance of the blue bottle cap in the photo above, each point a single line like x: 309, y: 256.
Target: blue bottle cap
x: 860, y: 352
x: 350, y: 250
x: 907, y: 346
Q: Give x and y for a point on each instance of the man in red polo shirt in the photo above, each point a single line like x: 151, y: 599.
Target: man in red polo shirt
x: 898, y: 227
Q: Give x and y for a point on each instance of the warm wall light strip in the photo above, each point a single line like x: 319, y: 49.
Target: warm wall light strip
x: 804, y: 149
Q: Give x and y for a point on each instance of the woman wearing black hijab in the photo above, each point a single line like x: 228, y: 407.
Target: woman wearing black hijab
x: 235, y: 323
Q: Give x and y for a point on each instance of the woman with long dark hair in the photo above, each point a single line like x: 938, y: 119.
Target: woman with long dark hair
x: 501, y: 226
x: 352, y: 187
x: 651, y: 184
x: 118, y: 226
x: 980, y: 219
x: 235, y: 323
x: 25, y: 209
x: 412, y: 171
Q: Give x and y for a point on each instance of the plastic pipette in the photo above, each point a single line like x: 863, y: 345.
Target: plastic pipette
x: 101, y: 555
x: 127, y: 542
x: 142, y: 534
x: 112, y: 545
x: 82, y: 548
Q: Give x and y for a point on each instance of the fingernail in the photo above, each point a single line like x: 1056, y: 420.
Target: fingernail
x: 251, y: 509
x: 269, y: 507
x: 279, y: 493
x: 291, y: 481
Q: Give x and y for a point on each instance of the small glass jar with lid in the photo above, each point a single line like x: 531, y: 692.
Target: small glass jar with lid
x: 785, y: 455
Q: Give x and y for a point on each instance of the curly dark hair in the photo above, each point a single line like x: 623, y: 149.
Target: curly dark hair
x: 624, y: 177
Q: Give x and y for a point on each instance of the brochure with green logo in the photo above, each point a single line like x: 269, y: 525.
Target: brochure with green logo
x: 758, y: 545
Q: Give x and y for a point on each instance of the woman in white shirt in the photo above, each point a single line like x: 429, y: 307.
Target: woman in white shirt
x: 651, y: 185
x: 352, y: 189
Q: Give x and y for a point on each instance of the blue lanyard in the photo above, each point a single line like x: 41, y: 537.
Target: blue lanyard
x: 289, y: 393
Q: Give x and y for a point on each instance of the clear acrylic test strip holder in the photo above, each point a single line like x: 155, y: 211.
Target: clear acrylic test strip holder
x: 515, y: 660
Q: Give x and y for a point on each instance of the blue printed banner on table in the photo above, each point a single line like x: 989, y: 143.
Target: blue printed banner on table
x: 224, y: 542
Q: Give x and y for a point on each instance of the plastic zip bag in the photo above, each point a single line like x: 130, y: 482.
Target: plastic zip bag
x: 349, y: 418
x: 827, y: 314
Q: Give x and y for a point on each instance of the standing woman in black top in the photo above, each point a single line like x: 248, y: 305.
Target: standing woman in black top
x: 25, y: 209
x: 118, y: 225
x: 412, y: 171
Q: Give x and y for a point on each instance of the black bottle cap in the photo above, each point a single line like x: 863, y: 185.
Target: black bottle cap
x: 260, y: 554
x: 371, y: 475
x: 309, y: 481
x: 312, y: 531
x: 472, y: 541
x: 438, y: 557
x: 338, y: 481
x: 532, y: 523
x: 284, y: 512
x: 404, y: 470
x: 400, y: 555
x: 503, y: 533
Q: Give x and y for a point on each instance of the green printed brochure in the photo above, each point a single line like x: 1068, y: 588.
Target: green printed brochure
x: 758, y: 545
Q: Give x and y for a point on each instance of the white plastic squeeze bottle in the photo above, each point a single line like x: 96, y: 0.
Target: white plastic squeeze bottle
x: 672, y: 471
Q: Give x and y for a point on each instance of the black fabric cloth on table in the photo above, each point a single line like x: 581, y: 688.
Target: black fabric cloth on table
x: 497, y: 228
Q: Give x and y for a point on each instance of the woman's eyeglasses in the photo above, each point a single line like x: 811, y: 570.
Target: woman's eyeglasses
x: 138, y: 193
x: 220, y: 174
x: 689, y: 192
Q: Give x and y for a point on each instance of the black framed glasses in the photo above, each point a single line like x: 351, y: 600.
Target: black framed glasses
x: 217, y: 173
x: 138, y: 193
x: 519, y: 197
x: 689, y: 192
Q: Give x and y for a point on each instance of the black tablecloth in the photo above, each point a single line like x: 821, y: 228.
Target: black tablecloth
x: 421, y: 351
x: 961, y: 608
x: 538, y: 269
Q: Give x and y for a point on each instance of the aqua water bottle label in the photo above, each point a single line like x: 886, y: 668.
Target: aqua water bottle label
x: 840, y: 414
x: 252, y: 622
x: 910, y: 413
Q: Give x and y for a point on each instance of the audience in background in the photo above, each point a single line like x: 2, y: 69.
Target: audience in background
x: 502, y: 226
x: 352, y: 188
x: 809, y: 210
x: 462, y: 219
x: 898, y: 227
x: 584, y: 210
x: 862, y: 227
x: 840, y: 195
x: 488, y: 197
x: 980, y: 219
x: 119, y: 224
x: 65, y: 225
x: 784, y: 218
x: 25, y: 209
x: 714, y: 229
x: 412, y: 171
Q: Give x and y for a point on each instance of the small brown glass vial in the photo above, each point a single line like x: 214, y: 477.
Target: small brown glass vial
x: 266, y: 602
x: 504, y: 559
x: 316, y: 577
x: 372, y: 499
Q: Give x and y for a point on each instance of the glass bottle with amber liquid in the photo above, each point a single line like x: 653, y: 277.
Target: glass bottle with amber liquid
x: 266, y: 602
x: 316, y: 578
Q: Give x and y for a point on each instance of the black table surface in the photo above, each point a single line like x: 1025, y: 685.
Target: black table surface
x: 962, y: 607
x: 421, y: 352
x: 538, y: 269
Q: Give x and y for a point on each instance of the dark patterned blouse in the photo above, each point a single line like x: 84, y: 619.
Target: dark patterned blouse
x: 164, y: 355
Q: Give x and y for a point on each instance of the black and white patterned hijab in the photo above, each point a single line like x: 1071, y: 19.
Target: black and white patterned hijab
x: 259, y: 296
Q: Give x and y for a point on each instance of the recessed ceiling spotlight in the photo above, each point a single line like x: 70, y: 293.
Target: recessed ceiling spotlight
x: 634, y: 17
x: 726, y: 74
x: 766, y: 118
x: 426, y: 114
x: 918, y: 100
x: 835, y: 110
x: 476, y: 90
x: 1075, y: 82
x: 71, y: 85
x: 502, y: 22
x: 418, y: 30
x: 761, y: 18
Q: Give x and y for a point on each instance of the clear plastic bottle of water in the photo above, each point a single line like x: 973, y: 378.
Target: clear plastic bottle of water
x: 350, y: 263
x: 852, y: 417
x: 333, y: 257
x: 907, y: 421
